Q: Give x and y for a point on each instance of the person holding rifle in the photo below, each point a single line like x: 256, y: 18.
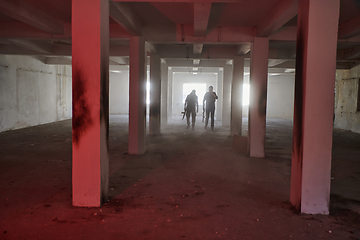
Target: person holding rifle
x: 210, y: 98
x: 191, y: 102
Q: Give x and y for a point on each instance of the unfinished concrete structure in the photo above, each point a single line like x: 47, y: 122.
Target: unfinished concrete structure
x: 227, y: 38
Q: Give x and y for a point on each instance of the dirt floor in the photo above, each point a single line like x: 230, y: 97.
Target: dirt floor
x: 188, y: 185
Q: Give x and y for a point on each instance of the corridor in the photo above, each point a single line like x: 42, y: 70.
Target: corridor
x: 188, y: 185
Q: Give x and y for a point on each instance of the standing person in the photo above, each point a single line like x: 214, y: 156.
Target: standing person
x: 191, y: 102
x: 210, y: 98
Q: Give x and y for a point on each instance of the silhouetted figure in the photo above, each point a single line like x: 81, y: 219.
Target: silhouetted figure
x: 191, y: 102
x: 210, y: 98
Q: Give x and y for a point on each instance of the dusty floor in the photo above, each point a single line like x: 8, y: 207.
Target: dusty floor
x: 189, y: 185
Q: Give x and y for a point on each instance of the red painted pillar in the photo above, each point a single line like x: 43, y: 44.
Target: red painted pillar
x: 236, y: 96
x: 314, y: 103
x: 90, y: 123
x: 258, y: 92
x: 155, y: 94
x: 137, y: 96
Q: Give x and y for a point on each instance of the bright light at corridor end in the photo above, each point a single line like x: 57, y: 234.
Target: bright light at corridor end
x: 246, y: 94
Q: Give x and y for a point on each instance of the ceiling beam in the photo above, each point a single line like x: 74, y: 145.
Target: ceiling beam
x: 23, y: 12
x: 184, y: 34
x: 24, y: 31
x: 243, y: 49
x: 9, y: 49
x: 185, y: 63
x: 182, y: 51
x: 346, y: 65
x: 167, y: 34
x: 58, y: 50
x: 183, y: 1
x: 58, y: 61
x: 119, y: 60
x: 151, y: 48
x: 276, y: 62
x: 197, y: 48
x: 42, y: 47
x: 201, y: 18
x: 350, y: 28
x: 284, y: 11
x: 349, y: 54
x: 122, y: 14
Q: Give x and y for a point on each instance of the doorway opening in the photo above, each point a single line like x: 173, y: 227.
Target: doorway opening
x: 200, y: 89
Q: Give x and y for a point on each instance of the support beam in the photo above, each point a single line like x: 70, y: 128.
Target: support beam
x: 351, y: 53
x: 226, y: 110
x: 201, y: 18
x: 122, y: 14
x: 276, y: 62
x: 197, y: 48
x: 58, y: 60
x: 183, y: 1
x: 185, y: 34
x: 350, y: 28
x: 32, y: 45
x: 23, y: 12
x: 314, y: 108
x: 151, y: 48
x: 155, y: 95
x: 236, y: 96
x: 137, y: 96
x: 284, y: 11
x: 24, y: 31
x: 258, y: 93
x: 164, y: 93
x: 120, y: 60
x: 243, y: 49
x: 90, y: 123
x: 179, y: 51
x: 170, y: 92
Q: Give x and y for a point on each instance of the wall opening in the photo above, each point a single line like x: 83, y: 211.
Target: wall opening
x: 200, y: 89
x: 246, y: 94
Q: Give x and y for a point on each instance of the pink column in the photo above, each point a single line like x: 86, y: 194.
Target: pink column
x: 90, y: 123
x: 137, y: 96
x: 314, y: 103
x: 164, y: 93
x: 226, y: 111
x: 236, y: 96
x: 155, y: 94
x: 258, y: 92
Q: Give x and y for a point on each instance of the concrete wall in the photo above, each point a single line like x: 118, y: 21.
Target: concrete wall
x: 280, y: 96
x: 119, y: 92
x: 32, y: 93
x: 346, y: 99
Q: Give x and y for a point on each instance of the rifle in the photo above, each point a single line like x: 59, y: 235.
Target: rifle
x: 183, y: 113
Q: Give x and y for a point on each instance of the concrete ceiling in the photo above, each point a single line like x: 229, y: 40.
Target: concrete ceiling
x: 213, y: 30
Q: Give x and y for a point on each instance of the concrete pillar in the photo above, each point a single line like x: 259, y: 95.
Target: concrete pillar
x: 219, y: 89
x: 137, y: 96
x: 226, y: 96
x: 258, y: 92
x: 164, y: 93
x: 314, y: 103
x: 90, y: 87
x: 155, y: 94
x: 236, y: 96
x: 170, y: 95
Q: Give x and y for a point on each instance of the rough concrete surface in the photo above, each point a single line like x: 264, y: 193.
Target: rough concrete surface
x: 188, y: 185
